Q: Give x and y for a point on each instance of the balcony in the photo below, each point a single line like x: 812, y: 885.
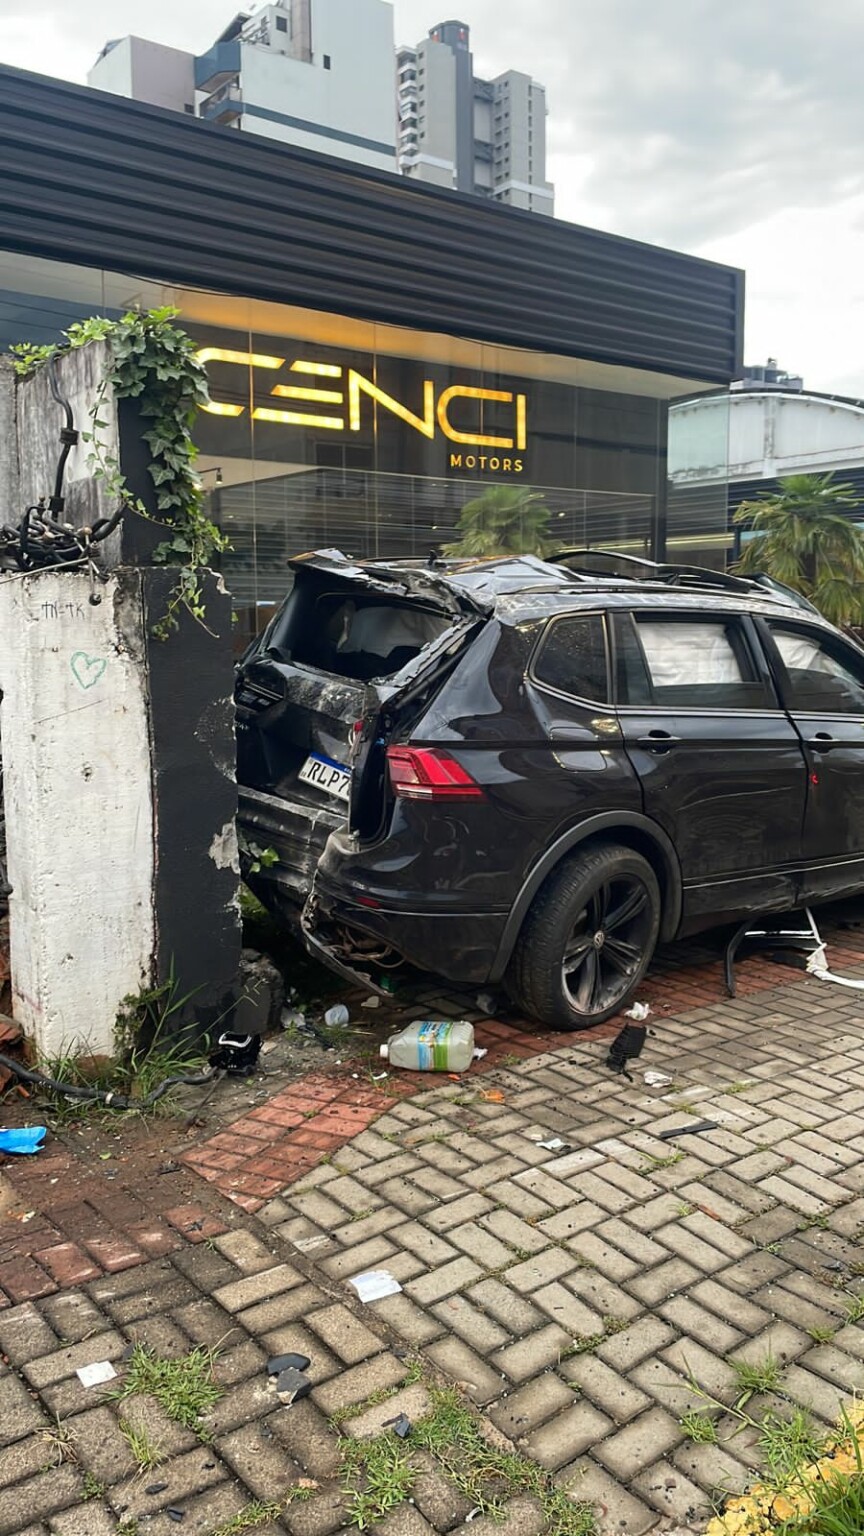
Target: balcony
x: 216, y: 68
x: 224, y: 106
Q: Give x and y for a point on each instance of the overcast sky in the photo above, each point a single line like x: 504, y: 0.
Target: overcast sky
x: 729, y: 128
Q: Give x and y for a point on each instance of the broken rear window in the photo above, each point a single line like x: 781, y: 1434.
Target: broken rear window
x: 360, y: 635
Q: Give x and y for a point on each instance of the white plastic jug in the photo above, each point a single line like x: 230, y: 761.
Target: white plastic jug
x: 432, y: 1045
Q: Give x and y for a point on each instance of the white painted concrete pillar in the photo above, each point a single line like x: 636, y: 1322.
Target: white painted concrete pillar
x: 75, y: 735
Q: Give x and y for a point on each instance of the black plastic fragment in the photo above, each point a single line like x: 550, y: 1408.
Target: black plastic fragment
x: 278, y: 1363
x: 153, y: 1488
x: 291, y: 1385
x: 400, y: 1426
x: 175, y: 1514
x: 694, y: 1129
x: 626, y: 1046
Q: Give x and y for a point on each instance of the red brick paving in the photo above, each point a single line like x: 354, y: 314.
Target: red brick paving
x: 319, y: 1114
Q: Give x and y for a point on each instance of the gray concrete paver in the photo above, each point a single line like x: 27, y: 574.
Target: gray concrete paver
x: 571, y: 1298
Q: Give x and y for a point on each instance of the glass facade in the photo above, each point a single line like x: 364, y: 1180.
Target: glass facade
x: 328, y: 431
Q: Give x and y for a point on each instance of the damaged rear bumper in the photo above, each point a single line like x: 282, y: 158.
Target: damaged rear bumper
x: 459, y: 946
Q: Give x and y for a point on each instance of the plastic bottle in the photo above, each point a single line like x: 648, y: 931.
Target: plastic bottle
x: 432, y: 1045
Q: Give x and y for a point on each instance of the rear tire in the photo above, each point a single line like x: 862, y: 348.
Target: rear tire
x: 588, y: 938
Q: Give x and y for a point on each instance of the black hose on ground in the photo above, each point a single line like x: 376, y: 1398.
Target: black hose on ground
x: 101, y: 1095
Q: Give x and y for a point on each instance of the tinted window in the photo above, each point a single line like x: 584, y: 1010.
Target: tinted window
x: 824, y: 676
x: 572, y: 658
x: 687, y: 663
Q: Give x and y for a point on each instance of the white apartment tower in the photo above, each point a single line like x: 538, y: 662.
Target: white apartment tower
x: 487, y: 137
x: 313, y: 73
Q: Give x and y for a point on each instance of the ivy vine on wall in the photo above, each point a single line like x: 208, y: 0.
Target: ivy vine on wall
x: 152, y: 361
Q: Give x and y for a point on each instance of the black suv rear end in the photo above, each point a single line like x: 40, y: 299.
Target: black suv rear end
x: 526, y: 772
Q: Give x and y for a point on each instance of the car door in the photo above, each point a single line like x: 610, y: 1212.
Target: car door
x: 721, y: 765
x: 820, y: 677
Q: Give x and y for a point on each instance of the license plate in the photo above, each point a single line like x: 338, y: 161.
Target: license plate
x: 332, y: 778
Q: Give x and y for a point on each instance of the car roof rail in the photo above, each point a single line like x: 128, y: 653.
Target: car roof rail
x: 637, y: 567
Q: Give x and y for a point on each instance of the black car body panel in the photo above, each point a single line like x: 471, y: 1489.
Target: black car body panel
x: 712, y: 725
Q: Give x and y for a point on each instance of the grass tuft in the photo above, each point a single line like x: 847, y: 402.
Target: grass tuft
x: 184, y: 1387
x: 752, y: 1376
x: 699, y: 1428
x: 145, y: 1452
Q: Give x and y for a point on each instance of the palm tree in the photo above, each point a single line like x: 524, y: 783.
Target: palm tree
x: 803, y: 535
x: 504, y: 520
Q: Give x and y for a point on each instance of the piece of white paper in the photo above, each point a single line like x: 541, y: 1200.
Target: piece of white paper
x: 639, y: 1012
x: 658, y: 1079
x: 94, y: 1375
x: 374, y: 1284
x: 554, y: 1144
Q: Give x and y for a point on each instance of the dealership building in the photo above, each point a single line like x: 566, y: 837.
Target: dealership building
x: 379, y: 352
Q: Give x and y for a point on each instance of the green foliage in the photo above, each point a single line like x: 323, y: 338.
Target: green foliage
x: 145, y: 1452
x: 804, y: 536
x: 753, y: 1376
x: 378, y: 1475
x: 787, y: 1445
x: 699, y: 1428
x: 503, y: 520
x: 255, y: 858
x: 184, y: 1387
x: 487, y: 1476
x: 250, y: 1516
x: 152, y: 361
x: 837, y: 1510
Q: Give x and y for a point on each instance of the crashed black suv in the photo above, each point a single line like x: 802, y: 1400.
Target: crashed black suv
x: 527, y: 772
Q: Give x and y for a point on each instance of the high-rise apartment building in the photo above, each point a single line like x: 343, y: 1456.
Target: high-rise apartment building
x: 314, y: 73
x: 487, y: 137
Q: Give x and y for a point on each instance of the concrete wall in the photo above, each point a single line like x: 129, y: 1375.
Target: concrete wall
x: 147, y: 71
x: 117, y: 748
x: 79, y: 815
x: 346, y: 91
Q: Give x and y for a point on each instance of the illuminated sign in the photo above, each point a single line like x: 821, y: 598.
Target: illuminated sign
x: 347, y: 389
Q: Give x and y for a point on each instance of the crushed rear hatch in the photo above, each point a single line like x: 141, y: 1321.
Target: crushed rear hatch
x: 315, y: 696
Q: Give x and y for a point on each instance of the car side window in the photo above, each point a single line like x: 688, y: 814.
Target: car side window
x: 822, y: 675
x: 572, y: 657
x: 687, y: 663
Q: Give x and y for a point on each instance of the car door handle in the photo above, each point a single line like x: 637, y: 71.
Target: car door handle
x: 658, y: 741
x: 822, y: 742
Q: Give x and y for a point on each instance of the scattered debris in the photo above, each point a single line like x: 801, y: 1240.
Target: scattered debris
x: 778, y: 934
x: 555, y: 1144
x: 400, y: 1426
x: 279, y: 1363
x: 817, y: 966
x: 170, y: 1167
x: 375, y: 1284
x: 492, y: 1095
x: 658, y: 1079
x: 23, y: 1139
x: 292, y: 1018
x: 292, y: 1385
x: 480, y: 1051
x: 236, y: 1054
x: 94, y: 1375
x: 693, y: 1128
x: 431, y: 1045
x: 626, y: 1047
x: 175, y: 1514
x: 337, y: 1016
x: 639, y: 1012
x: 486, y: 1002
x: 379, y: 1077
x: 371, y: 1002
x: 153, y: 1488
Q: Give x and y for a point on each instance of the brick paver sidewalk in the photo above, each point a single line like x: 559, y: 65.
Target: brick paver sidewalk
x: 575, y: 1294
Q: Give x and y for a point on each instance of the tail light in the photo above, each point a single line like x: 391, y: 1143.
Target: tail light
x: 418, y: 773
